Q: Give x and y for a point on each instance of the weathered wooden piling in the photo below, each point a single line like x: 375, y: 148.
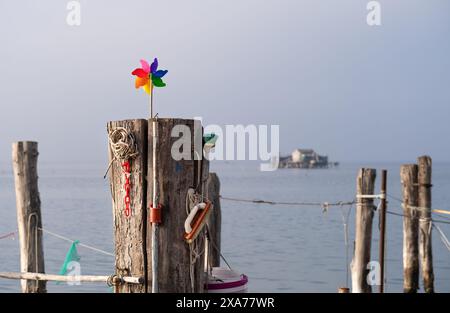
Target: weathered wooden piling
x: 424, y: 204
x: 129, y: 231
x: 408, y: 176
x: 363, y: 230
x: 175, y: 175
x: 215, y: 220
x: 29, y: 220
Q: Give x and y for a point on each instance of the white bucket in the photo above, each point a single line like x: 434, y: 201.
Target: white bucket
x: 223, y: 280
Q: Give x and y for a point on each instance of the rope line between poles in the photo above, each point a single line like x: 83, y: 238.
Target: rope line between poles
x: 320, y: 204
x: 72, y: 241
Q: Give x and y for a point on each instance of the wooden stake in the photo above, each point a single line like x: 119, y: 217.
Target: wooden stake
x: 363, y: 233
x: 408, y: 175
x: 130, y: 232
x: 425, y: 247
x: 382, y: 227
x: 175, y: 177
x: 29, y: 220
x: 215, y: 220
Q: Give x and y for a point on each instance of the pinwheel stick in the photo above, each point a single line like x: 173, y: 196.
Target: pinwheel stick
x: 151, y: 103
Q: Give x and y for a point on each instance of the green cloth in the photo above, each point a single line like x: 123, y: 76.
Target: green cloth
x: 72, y: 255
x: 210, y: 139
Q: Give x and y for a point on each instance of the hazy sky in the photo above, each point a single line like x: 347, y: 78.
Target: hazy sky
x: 314, y: 67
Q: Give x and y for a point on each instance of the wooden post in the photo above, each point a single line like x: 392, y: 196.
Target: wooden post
x: 424, y: 203
x: 174, y: 178
x: 363, y: 232
x: 408, y: 176
x: 25, y: 156
x: 215, y: 220
x: 130, y: 231
x: 382, y: 226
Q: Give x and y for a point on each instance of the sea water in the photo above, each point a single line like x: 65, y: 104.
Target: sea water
x: 280, y: 248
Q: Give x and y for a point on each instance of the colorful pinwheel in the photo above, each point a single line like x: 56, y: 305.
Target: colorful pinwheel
x: 148, y: 77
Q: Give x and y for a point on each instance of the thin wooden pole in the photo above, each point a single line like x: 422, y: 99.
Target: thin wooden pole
x: 425, y: 224
x: 215, y: 221
x: 408, y: 175
x: 382, y: 227
x: 29, y: 220
x: 130, y: 231
x: 72, y: 278
x: 363, y: 236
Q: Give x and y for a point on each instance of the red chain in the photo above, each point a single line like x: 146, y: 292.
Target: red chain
x: 127, y: 169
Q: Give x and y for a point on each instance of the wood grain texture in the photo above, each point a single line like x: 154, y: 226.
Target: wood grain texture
x: 215, y: 220
x: 29, y: 220
x: 363, y: 231
x: 408, y: 176
x: 425, y: 238
x: 130, y: 232
x: 174, y: 179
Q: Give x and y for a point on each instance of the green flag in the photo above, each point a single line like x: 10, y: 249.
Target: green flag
x: 72, y: 255
x: 209, y: 141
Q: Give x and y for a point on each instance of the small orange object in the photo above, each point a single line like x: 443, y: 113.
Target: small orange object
x: 155, y: 214
x: 196, y: 220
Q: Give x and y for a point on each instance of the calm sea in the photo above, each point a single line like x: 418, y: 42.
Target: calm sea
x: 280, y: 248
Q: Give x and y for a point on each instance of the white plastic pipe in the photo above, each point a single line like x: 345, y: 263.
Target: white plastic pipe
x: 155, y: 252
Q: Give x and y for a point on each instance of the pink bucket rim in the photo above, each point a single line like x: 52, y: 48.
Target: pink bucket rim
x: 243, y: 281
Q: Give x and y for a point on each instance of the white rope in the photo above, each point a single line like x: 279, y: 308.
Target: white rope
x: 345, y: 217
x: 72, y: 241
x: 416, y: 210
x: 123, y: 145
x: 323, y: 205
x: 192, y: 199
x: 380, y: 196
x: 443, y: 237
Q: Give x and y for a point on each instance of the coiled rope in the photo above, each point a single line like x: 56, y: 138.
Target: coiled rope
x: 192, y: 199
x: 123, y: 145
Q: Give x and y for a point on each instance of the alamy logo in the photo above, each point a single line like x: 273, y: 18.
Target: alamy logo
x: 74, y: 270
x: 236, y: 142
x: 374, y: 276
x: 374, y: 15
x: 74, y: 15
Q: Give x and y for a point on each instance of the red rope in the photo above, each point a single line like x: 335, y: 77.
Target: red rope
x: 126, y: 166
x: 8, y: 235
